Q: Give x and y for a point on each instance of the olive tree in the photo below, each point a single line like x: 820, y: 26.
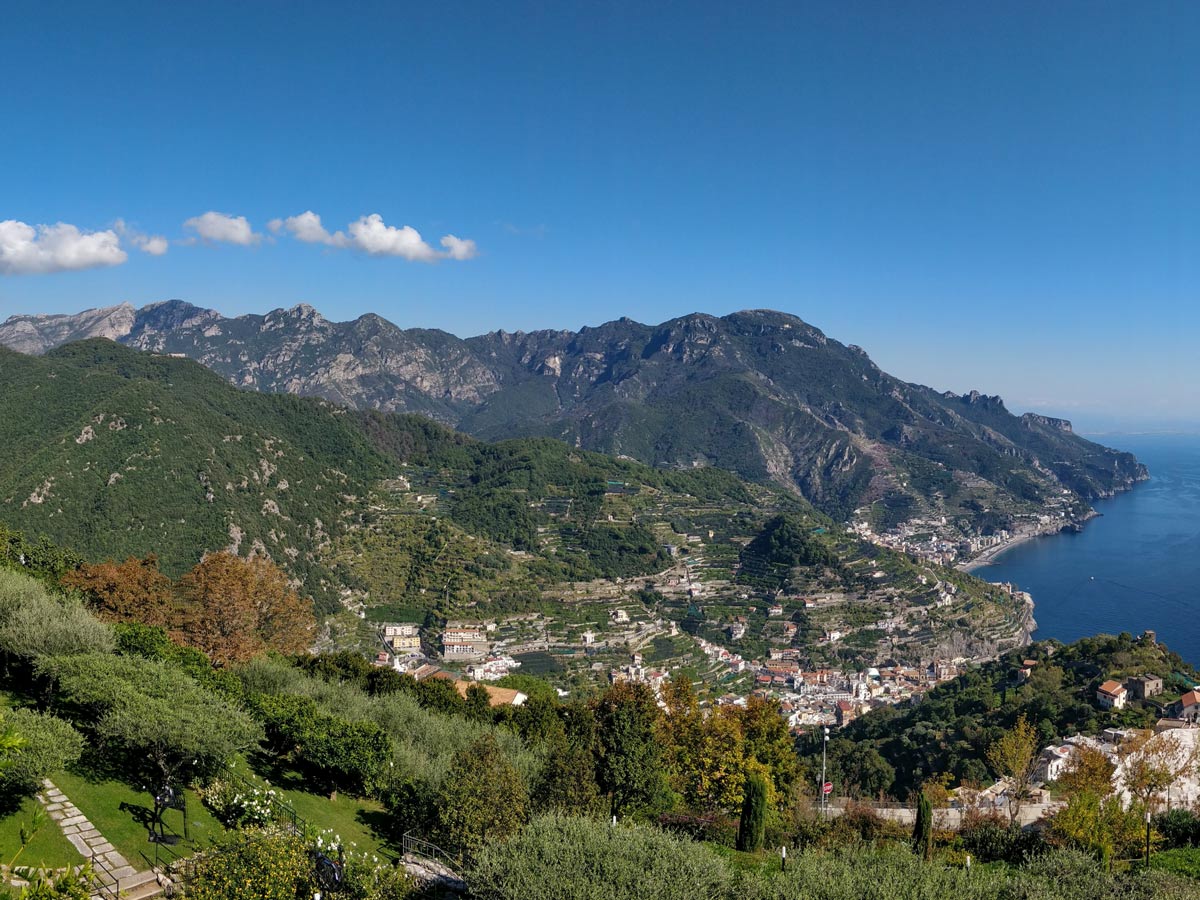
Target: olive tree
x: 150, y: 711
x: 34, y: 622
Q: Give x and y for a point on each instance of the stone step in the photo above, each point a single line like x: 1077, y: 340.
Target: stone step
x: 143, y: 892
x: 129, y: 882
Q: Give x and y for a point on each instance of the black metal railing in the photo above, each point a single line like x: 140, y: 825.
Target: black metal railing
x: 105, y: 883
x: 419, y: 847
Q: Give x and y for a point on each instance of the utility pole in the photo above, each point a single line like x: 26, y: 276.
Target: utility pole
x: 824, y: 796
x: 1147, y: 838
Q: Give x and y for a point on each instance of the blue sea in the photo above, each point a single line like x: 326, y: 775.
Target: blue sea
x: 1136, y: 567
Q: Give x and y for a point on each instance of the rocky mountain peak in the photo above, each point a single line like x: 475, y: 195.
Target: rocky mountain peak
x: 1048, y: 422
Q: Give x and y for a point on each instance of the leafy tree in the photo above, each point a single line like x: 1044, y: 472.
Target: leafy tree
x: 860, y: 768
x: 483, y: 798
x: 132, y: 591
x: 1152, y: 763
x: 767, y: 740
x: 629, y: 770
x: 478, y: 703
x: 1101, y: 826
x: 41, y: 559
x: 704, y: 755
x: 1090, y: 771
x: 237, y: 608
x: 1014, y: 756
x: 48, y: 745
x: 341, y: 754
x: 754, y: 813
x: 567, y: 782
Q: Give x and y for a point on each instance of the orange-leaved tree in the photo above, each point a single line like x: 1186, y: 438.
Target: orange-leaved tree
x: 238, y: 608
x: 132, y: 591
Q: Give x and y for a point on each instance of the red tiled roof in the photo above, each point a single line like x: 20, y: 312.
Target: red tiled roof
x: 1112, y: 688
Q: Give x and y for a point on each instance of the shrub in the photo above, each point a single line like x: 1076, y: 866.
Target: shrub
x: 573, y: 859
x: 253, y: 866
x: 48, y: 745
x: 1179, y: 828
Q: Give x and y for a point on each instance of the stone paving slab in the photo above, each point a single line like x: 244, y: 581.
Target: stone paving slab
x: 82, y: 834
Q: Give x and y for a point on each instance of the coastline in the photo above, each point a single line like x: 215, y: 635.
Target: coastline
x: 988, y: 556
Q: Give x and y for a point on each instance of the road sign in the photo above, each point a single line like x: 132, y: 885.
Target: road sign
x: 827, y: 788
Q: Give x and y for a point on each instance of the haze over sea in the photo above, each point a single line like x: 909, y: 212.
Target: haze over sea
x: 1136, y: 567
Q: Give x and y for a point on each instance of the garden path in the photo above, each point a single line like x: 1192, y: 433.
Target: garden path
x: 83, y: 835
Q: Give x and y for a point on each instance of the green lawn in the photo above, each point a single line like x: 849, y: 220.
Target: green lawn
x: 47, y: 847
x: 353, y: 819
x: 1184, y: 861
x: 119, y: 811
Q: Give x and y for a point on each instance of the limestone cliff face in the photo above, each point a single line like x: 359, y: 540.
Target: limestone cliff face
x: 37, y: 334
x: 758, y: 392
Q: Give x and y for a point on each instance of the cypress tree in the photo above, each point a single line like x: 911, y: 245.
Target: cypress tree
x: 923, y: 828
x: 754, y: 813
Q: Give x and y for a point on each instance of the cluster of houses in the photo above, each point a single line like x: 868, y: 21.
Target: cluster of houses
x: 919, y: 538
x: 830, y: 696
x: 1113, y: 694
x: 460, y: 643
x: 404, y: 653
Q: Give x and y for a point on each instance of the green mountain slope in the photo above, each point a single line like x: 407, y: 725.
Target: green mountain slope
x: 757, y: 392
x: 114, y: 452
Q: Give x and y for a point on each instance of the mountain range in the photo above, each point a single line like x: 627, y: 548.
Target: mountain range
x: 758, y: 392
x: 110, y: 452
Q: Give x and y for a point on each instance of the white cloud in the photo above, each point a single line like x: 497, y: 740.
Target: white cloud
x: 215, y: 226
x: 35, y: 250
x: 372, y: 235
x: 459, y: 248
x: 154, y: 244
x: 307, y: 227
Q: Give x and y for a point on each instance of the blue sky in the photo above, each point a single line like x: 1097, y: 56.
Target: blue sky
x: 1002, y: 197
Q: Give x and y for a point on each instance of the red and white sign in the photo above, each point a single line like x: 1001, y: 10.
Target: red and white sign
x: 827, y: 788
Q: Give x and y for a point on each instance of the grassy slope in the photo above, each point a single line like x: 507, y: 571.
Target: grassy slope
x: 48, y: 848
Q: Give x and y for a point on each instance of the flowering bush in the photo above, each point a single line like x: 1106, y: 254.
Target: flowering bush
x: 236, y: 807
x: 274, y: 865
